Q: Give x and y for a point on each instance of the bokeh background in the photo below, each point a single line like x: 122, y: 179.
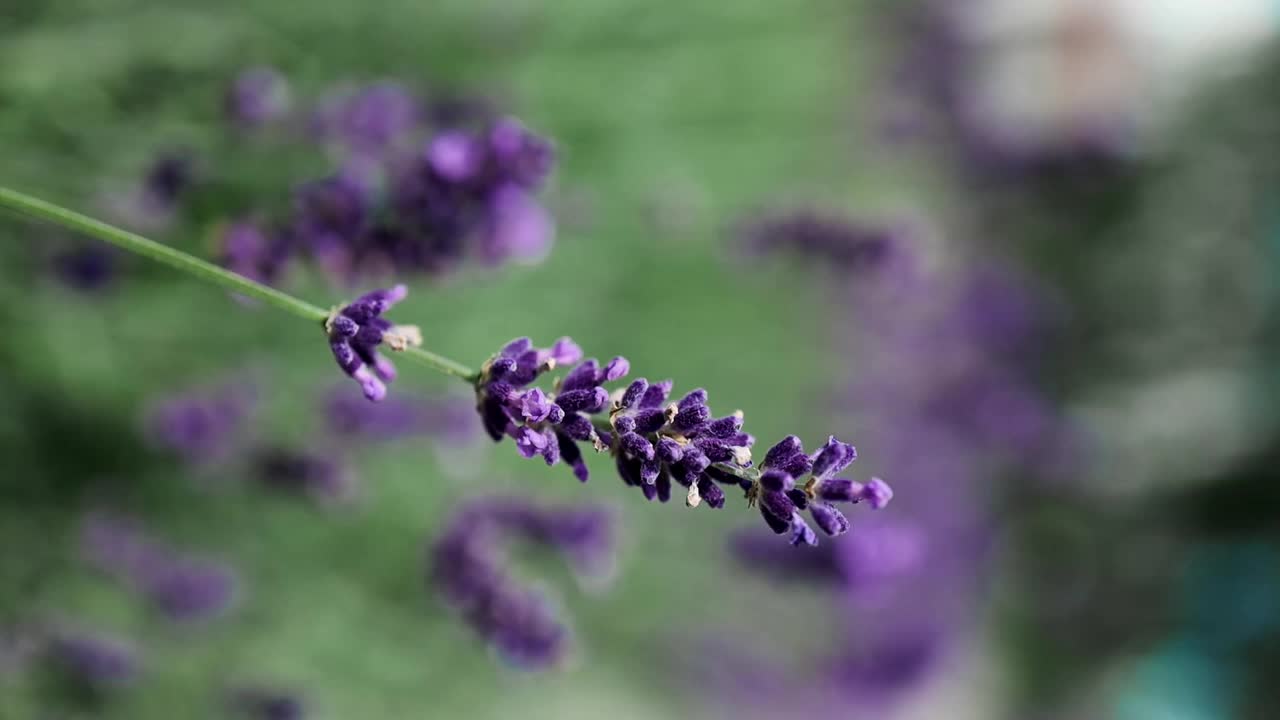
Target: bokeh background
x: 1022, y: 254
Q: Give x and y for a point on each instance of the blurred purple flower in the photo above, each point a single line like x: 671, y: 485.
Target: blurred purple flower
x: 86, y: 268
x: 369, y: 118
x: 248, y: 249
x: 308, y: 473
x: 950, y: 370
x: 469, y: 568
x: 346, y: 415
x: 182, y: 587
x: 256, y: 97
x: 841, y: 244
x: 518, y: 228
x: 93, y: 660
x: 202, y: 424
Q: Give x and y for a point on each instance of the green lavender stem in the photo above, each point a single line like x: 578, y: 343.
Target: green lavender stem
x: 207, y: 271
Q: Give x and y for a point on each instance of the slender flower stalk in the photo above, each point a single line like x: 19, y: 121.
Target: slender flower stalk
x: 183, y: 262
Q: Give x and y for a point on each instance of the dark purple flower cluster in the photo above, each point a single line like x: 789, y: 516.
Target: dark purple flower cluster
x: 655, y: 443
x: 356, y: 331
x: 182, y: 587
x: 469, y: 568
x: 781, y: 500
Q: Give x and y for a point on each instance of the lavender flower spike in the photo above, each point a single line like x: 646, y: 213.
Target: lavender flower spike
x: 182, y: 587
x: 655, y: 443
x: 356, y: 331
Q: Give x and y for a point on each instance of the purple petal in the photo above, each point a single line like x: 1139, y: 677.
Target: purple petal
x: 778, y: 505
x: 634, y: 392
x: 656, y: 395
x: 617, y: 367
x: 801, y: 533
x: 636, y: 446
x: 877, y: 493
x: 832, y: 458
x: 776, y: 481
x: 669, y: 451
x: 787, y: 447
x: 830, y: 520
x: 580, y: 377
x: 586, y: 400
x: 694, y: 398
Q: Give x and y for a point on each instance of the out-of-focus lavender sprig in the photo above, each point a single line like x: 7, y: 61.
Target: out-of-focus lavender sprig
x: 469, y: 568
x: 839, y: 243
x: 310, y: 473
x: 420, y: 185
x: 655, y: 443
x: 201, y: 424
x: 181, y: 586
x: 93, y: 661
x: 951, y: 370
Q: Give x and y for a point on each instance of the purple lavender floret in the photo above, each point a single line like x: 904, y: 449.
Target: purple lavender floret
x: 256, y: 97
x: 469, y: 568
x: 656, y: 444
x: 781, y: 500
x: 181, y: 586
x: 95, y: 661
x: 356, y: 331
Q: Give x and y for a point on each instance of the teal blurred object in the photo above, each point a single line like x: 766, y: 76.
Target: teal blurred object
x: 1232, y: 590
